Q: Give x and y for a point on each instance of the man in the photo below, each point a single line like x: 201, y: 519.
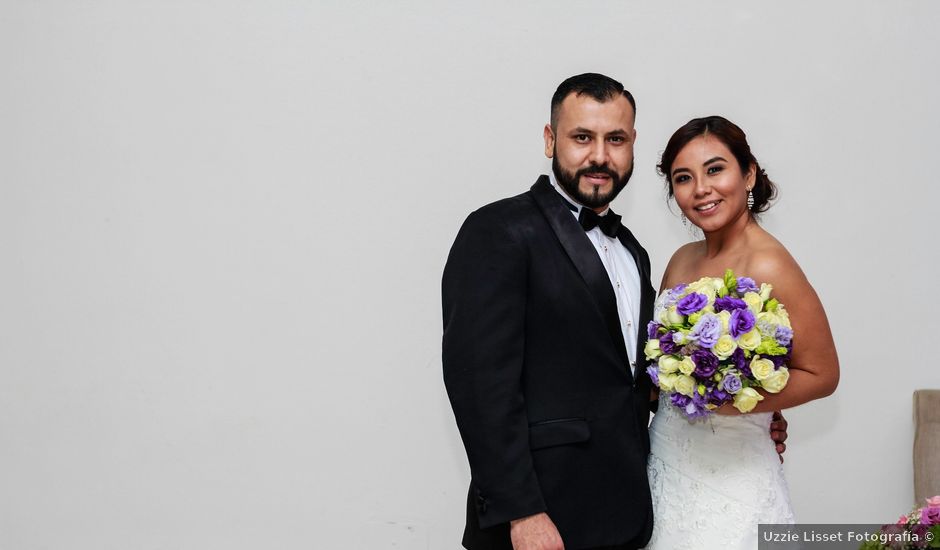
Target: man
x: 546, y: 297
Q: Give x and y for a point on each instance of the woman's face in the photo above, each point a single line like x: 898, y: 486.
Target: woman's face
x: 709, y: 185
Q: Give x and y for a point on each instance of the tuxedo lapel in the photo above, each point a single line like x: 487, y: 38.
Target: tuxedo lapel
x: 647, y: 293
x: 582, y: 253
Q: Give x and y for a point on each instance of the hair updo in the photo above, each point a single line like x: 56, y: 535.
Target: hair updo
x: 735, y: 140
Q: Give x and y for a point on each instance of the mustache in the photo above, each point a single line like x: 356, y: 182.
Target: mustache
x: 596, y: 169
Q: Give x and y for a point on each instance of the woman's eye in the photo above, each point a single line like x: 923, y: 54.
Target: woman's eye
x: 715, y: 169
x: 681, y: 178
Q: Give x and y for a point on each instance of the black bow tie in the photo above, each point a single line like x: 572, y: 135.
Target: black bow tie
x: 609, y: 224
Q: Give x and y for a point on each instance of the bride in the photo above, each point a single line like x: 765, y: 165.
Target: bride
x: 713, y: 481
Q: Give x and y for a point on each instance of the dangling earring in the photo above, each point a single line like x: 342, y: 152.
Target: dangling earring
x: 750, y: 200
x: 685, y: 221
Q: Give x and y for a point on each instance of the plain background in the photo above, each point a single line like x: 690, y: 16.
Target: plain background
x: 223, y: 225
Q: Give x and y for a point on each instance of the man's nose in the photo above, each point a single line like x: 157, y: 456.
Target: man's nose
x: 599, y: 154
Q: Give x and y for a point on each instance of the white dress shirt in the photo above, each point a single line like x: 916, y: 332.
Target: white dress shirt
x: 623, y: 273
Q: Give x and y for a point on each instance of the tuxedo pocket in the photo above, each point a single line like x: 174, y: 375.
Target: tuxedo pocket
x: 564, y: 431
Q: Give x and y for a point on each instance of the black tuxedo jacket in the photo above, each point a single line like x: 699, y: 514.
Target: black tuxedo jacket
x: 552, y: 415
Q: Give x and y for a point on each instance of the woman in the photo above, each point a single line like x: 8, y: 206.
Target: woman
x: 713, y: 481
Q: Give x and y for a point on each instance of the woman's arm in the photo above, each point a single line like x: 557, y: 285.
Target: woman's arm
x: 814, y: 364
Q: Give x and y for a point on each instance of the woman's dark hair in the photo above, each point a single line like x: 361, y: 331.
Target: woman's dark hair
x: 734, y: 138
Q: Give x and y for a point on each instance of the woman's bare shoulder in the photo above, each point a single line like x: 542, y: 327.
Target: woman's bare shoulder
x: 771, y: 262
x: 680, y: 263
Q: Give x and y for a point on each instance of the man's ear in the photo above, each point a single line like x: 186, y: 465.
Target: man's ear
x: 549, y: 140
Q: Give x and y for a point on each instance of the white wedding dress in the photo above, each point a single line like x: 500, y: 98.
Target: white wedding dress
x: 713, y: 480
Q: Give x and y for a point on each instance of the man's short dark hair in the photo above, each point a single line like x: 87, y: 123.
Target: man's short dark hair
x: 600, y: 87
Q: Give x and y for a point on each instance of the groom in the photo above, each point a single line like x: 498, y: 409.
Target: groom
x: 546, y: 298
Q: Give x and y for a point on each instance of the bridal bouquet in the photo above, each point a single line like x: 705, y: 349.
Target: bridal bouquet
x: 716, y: 341
x: 919, y: 529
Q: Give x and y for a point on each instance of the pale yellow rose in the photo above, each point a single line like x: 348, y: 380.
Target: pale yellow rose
x: 749, y: 340
x: 703, y: 286
x: 652, y: 349
x: 672, y: 317
x: 765, y: 290
x: 667, y: 382
x: 725, y: 317
x: 762, y: 369
x: 746, y: 399
x: 684, y: 384
x: 725, y: 346
x: 753, y: 301
x: 668, y: 364
x: 776, y: 381
x: 686, y: 366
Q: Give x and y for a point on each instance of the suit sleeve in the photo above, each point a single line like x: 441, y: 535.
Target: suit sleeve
x: 484, y: 295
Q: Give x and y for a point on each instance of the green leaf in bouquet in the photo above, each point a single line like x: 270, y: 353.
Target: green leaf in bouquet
x: 771, y: 305
x: 769, y: 346
x: 731, y: 282
x: 693, y: 318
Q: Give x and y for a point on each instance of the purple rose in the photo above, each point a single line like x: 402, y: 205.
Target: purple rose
x: 706, y: 363
x: 741, y: 322
x: 740, y: 362
x: 679, y: 400
x: 696, y: 407
x: 731, y: 383
x: 729, y: 303
x: 654, y: 374
x: 652, y: 329
x: 692, y: 303
x: 707, y: 330
x: 930, y: 515
x: 784, y: 335
x: 746, y: 284
x: 778, y: 360
x: 718, y: 397
x: 666, y: 345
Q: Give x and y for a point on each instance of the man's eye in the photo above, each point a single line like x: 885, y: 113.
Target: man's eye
x: 617, y: 139
x: 582, y: 138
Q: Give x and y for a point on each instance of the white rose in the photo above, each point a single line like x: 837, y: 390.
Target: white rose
x: 725, y: 346
x: 749, y: 340
x: 765, y: 290
x: 762, y: 369
x: 673, y: 317
x: 746, y: 399
x: 667, y: 382
x: 686, y: 366
x: 753, y: 301
x: 684, y: 384
x: 776, y: 381
x: 668, y: 364
x: 652, y: 349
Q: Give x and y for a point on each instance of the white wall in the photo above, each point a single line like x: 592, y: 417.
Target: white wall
x: 222, y: 228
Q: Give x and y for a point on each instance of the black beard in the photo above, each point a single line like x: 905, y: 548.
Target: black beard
x: 569, y: 182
